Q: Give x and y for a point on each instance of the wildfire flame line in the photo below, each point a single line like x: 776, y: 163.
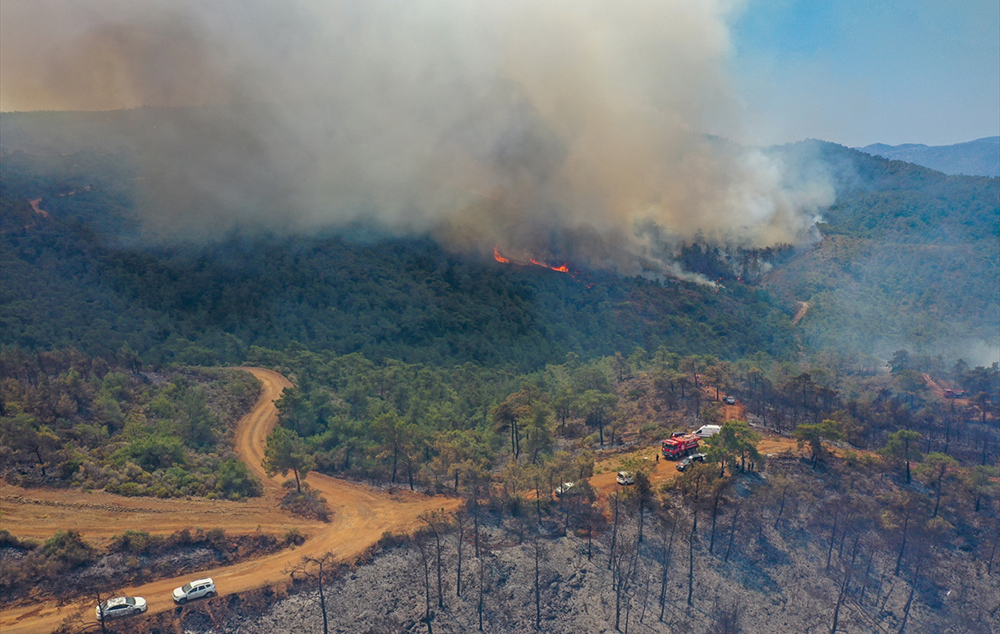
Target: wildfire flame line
x: 501, y: 259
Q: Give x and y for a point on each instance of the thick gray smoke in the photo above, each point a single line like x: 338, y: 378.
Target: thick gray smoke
x: 580, y: 130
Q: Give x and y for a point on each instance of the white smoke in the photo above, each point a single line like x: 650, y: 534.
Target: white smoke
x: 574, y: 128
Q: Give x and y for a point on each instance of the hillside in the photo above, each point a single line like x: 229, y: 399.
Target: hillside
x: 908, y: 259
x: 972, y: 158
x: 75, y: 275
x: 65, y: 286
x: 852, y: 485
x: 802, y: 538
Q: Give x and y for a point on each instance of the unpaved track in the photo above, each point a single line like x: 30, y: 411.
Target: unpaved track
x: 360, y: 516
x: 605, y: 482
x: 801, y: 312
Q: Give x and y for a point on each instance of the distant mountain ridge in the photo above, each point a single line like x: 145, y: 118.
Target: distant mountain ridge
x: 972, y: 158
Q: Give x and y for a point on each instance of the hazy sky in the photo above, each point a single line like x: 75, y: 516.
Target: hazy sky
x: 868, y: 71
x: 851, y: 71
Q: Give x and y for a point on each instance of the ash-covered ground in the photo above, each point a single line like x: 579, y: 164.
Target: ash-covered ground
x: 770, y: 583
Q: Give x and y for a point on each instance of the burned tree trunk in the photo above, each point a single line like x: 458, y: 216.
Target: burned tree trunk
x: 538, y: 589
x: 833, y: 538
x: 614, y: 532
x: 426, y: 565
x: 461, y: 519
x: 902, y: 548
x: 732, y: 533
x: 664, y: 562
x: 909, y: 600
x: 479, y: 604
x: 313, y: 568
x: 848, y: 571
x: 691, y: 540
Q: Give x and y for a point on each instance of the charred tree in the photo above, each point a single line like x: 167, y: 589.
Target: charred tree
x: 902, y: 547
x: 833, y: 538
x: 475, y: 518
x: 461, y: 520
x: 622, y: 576
x: 479, y: 603
x: 313, y: 568
x: 437, y: 522
x: 538, y: 587
x: 665, y: 553
x: 718, y: 490
x: 691, y: 539
x: 909, y: 600
x: 993, y: 552
x: 848, y: 571
x: 614, y: 531
x: 732, y: 533
x: 425, y: 562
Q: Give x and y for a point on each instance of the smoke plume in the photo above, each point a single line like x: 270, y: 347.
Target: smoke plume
x: 587, y: 131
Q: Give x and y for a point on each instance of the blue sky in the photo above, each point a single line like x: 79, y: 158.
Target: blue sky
x: 864, y: 71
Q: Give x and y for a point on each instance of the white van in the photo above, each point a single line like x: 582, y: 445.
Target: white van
x: 708, y: 430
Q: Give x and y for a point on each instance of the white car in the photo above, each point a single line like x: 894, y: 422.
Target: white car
x: 625, y: 477
x: 120, y: 606
x: 563, y: 489
x: 200, y: 588
x: 730, y: 400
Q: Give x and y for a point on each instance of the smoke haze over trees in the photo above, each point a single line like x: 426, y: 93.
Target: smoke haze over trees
x: 569, y: 131
x: 496, y: 252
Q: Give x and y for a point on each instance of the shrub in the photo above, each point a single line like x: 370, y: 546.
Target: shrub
x: 12, y: 541
x: 136, y: 542
x: 235, y: 481
x: 293, y: 537
x: 69, y: 549
x: 131, y: 489
x: 309, y: 503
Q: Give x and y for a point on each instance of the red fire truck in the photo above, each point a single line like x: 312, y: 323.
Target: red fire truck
x: 680, y: 445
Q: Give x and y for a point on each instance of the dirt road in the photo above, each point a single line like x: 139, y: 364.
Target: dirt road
x: 665, y: 470
x: 360, y: 515
x: 801, y: 312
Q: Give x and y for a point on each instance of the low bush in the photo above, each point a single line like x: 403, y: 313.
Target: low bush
x: 307, y: 503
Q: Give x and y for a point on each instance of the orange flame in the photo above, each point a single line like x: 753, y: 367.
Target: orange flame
x: 499, y: 258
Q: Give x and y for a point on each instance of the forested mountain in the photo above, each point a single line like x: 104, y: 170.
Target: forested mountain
x: 65, y: 286
x: 973, y: 158
x: 415, y: 367
x: 74, y: 277
x: 908, y: 259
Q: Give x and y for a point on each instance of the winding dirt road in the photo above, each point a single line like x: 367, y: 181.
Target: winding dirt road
x: 360, y: 516
x: 801, y: 312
